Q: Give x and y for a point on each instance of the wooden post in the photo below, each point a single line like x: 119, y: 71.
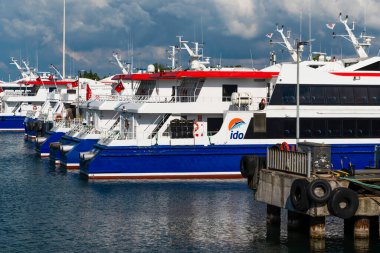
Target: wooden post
x: 273, y: 215
x: 317, y: 227
x: 374, y: 227
x: 298, y: 222
x: 362, y: 227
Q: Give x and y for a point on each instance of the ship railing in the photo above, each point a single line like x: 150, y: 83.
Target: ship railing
x: 43, y: 116
x: 117, y: 135
x: 90, y: 129
x: 73, y: 124
x: 168, y: 99
x: 31, y: 114
x: 290, y: 162
x: 20, y: 94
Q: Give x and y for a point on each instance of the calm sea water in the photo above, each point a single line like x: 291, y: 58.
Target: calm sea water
x: 46, y: 209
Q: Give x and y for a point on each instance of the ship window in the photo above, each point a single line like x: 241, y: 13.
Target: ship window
x: 275, y: 128
x: 332, y: 95
x: 376, y: 128
x: 289, y: 128
x: 372, y: 67
x: 306, y: 126
x: 214, y: 125
x: 319, y: 128
x: 361, y: 96
x: 362, y: 129
x: 333, y: 127
x: 346, y: 95
x: 317, y: 95
x: 349, y: 128
x: 227, y: 91
x: 276, y: 98
x: 374, y: 95
x: 71, y: 91
x: 249, y: 134
x: 304, y: 95
x: 289, y: 95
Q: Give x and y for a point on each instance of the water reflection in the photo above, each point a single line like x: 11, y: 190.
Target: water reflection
x: 44, y: 209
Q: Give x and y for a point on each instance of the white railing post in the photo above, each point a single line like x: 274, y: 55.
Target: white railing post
x: 308, y: 164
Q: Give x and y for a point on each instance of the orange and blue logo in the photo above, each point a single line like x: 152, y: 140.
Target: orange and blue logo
x: 235, y: 125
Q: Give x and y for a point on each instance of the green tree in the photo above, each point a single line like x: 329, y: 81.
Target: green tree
x: 159, y: 67
x: 89, y: 75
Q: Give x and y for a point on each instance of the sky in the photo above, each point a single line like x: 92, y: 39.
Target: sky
x: 233, y: 32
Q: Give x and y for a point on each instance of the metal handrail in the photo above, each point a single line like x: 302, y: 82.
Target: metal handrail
x: 290, y: 162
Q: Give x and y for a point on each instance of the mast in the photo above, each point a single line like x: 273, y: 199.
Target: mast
x: 64, y: 41
x: 358, y: 47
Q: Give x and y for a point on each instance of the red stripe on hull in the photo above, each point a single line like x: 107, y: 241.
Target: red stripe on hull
x: 164, y: 177
x: 70, y: 167
x: 376, y: 74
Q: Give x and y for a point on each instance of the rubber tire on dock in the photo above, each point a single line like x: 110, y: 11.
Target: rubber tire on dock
x: 348, y: 197
x: 298, y: 194
x: 322, y: 184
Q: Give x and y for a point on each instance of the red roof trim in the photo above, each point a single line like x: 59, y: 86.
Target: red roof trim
x: 141, y: 77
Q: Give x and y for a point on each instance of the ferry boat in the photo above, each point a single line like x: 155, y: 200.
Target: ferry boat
x: 67, y: 128
x: 147, y: 136
x: 339, y: 105
x: 60, y: 112
x: 101, y: 113
x: 26, y: 95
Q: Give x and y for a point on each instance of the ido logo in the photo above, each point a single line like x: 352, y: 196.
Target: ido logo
x: 233, y: 127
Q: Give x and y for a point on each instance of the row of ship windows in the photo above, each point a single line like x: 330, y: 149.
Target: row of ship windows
x: 317, y: 128
x: 285, y: 94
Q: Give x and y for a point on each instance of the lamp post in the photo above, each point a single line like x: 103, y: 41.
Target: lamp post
x: 299, y: 44
x: 78, y: 89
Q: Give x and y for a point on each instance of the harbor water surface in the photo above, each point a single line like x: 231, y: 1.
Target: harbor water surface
x: 45, y: 209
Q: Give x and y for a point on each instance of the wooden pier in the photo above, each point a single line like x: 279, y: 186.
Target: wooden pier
x: 310, y: 191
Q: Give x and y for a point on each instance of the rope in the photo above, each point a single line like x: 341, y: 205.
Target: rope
x: 377, y: 187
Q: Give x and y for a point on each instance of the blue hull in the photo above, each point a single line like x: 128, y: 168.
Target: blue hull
x: 215, y: 161
x: 70, y: 159
x: 12, y: 123
x: 43, y: 149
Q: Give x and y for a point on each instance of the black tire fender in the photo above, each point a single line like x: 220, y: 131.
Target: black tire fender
x: 298, y: 194
x: 343, y: 203
x: 248, y: 164
x: 314, y: 195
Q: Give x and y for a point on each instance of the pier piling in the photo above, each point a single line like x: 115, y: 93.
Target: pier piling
x: 273, y: 215
x: 362, y: 227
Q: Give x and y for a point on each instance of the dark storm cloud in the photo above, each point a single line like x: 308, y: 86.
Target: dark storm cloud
x: 230, y: 29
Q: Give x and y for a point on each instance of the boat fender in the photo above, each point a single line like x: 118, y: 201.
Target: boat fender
x: 55, y: 145
x: 248, y: 163
x: 298, y: 194
x: 343, y: 203
x: 284, y: 146
x: 319, y: 191
x: 250, y: 166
